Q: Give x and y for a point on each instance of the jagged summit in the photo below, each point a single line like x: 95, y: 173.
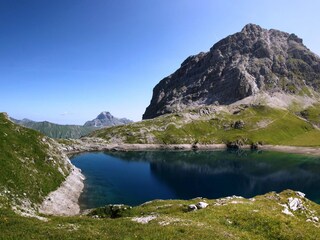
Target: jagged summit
x: 246, y: 63
x: 105, y: 119
x: 251, y: 27
x: 104, y: 115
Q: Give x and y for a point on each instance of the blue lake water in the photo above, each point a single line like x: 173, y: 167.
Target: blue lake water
x: 138, y: 176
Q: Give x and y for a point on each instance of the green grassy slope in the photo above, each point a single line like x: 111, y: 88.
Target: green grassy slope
x: 29, y: 164
x: 56, y: 130
x: 222, y: 219
x: 260, y: 124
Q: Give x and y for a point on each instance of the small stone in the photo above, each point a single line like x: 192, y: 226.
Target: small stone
x: 315, y: 219
x: 228, y: 221
x: 70, y: 148
x: 201, y: 205
x: 287, y: 212
x: 192, y: 207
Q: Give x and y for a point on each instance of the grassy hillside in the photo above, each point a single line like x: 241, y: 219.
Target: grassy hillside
x: 31, y: 165
x: 244, y: 124
x: 56, y: 130
x: 258, y: 218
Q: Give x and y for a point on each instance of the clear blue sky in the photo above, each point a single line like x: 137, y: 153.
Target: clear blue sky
x: 65, y: 61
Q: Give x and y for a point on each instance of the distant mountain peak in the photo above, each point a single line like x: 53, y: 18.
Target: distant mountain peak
x: 104, y: 115
x: 106, y: 119
x: 26, y: 120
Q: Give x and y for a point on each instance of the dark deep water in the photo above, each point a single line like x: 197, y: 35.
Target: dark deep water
x: 136, y: 177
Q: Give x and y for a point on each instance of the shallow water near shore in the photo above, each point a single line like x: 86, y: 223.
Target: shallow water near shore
x: 135, y: 177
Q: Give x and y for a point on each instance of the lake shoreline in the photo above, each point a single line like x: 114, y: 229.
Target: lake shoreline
x: 314, y: 151
x: 93, y: 145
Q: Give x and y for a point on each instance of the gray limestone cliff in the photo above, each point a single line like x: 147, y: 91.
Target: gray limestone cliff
x: 238, y: 66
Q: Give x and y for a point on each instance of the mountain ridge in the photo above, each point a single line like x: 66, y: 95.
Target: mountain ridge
x: 54, y: 130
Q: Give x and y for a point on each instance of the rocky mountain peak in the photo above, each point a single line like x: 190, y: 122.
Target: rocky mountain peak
x: 251, y: 29
x: 295, y: 38
x: 246, y: 63
x: 104, y: 115
x: 105, y: 119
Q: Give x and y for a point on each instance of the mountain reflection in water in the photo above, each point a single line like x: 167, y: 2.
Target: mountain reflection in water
x: 136, y: 177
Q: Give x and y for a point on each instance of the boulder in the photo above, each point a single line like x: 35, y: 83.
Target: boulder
x: 238, y: 124
x: 111, y: 210
x: 201, y: 205
x: 192, y: 207
x: 295, y: 204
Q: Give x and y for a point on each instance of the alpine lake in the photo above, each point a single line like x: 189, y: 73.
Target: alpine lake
x: 136, y: 177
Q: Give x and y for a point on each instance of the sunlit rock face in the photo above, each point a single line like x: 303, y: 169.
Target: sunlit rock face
x: 238, y: 66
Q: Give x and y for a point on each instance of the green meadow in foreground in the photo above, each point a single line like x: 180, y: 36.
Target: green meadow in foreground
x: 236, y: 218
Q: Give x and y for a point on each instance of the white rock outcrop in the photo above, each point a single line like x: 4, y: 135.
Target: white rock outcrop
x: 295, y: 204
x: 144, y: 220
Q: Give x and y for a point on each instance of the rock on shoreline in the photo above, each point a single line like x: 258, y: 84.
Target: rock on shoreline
x: 64, y: 200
